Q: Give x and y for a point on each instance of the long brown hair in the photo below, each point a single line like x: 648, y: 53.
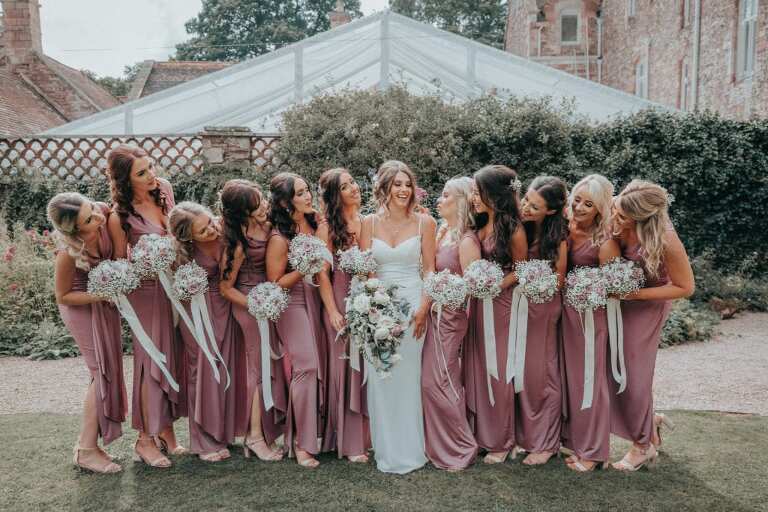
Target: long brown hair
x: 497, y: 185
x: 119, y: 164
x: 330, y: 193
x: 181, y: 218
x: 239, y: 199
x: 385, y: 177
x: 554, y: 228
x: 282, y: 187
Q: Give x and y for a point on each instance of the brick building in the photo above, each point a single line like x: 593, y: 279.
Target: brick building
x: 154, y: 76
x: 688, y: 54
x: 36, y: 91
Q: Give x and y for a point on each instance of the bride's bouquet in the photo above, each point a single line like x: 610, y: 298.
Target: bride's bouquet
x: 483, y: 279
x: 355, y: 262
x: 376, y: 322
x: 308, y: 255
x: 153, y: 255
x: 447, y: 290
x: 536, y: 280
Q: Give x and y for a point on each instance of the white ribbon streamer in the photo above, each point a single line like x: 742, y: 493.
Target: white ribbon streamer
x: 489, y: 335
x: 440, y: 352
x: 616, y: 338
x: 197, y: 334
x: 200, y: 312
x: 589, y: 359
x: 157, y: 357
x: 266, y: 366
x: 517, y: 338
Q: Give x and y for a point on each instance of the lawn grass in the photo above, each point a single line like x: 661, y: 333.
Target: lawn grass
x: 712, y: 462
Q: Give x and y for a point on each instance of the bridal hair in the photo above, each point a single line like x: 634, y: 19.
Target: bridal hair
x: 239, y: 199
x: 181, y: 218
x: 462, y: 191
x: 329, y: 191
x: 601, y: 192
x: 282, y: 188
x: 554, y: 227
x: 119, y: 164
x: 647, y: 204
x: 63, y: 210
x: 495, y: 185
x: 383, y: 183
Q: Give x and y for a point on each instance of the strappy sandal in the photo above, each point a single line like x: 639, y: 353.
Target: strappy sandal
x: 108, y: 468
x: 162, y: 445
x: 160, y: 462
x: 310, y: 462
x: 579, y: 467
x: 224, y: 453
x: 661, y: 420
x: 358, y: 459
x: 210, y: 457
x: 500, y: 457
x: 253, y: 445
x: 539, y: 463
x: 650, y: 457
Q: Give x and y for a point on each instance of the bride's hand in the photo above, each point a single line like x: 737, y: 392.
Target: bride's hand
x: 420, y: 322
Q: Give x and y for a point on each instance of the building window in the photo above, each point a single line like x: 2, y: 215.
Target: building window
x: 747, y: 38
x: 685, y: 86
x: 641, y: 79
x: 631, y: 8
x: 569, y: 27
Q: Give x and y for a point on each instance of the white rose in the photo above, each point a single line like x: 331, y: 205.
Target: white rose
x: 362, y: 303
x: 385, y: 322
x: 381, y: 333
x: 372, y: 283
x: 381, y: 298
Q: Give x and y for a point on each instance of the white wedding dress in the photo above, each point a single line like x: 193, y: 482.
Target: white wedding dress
x: 394, y: 403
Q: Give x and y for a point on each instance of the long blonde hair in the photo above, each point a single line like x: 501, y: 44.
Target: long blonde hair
x: 601, y: 191
x: 384, y: 179
x: 63, y: 210
x: 462, y: 189
x: 648, y: 205
x: 181, y: 218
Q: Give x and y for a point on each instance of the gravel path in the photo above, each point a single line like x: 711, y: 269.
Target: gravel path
x: 729, y: 373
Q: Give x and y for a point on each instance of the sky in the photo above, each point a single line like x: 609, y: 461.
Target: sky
x: 104, y: 36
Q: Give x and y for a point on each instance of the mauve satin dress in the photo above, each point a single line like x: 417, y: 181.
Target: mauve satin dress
x: 449, y: 442
x: 253, y: 271
x: 539, y: 404
x: 632, y: 410
x: 211, y: 404
x: 96, y: 329
x: 155, y: 313
x: 493, y: 425
x: 586, y: 432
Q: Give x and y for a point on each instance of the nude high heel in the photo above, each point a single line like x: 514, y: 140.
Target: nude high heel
x: 107, y: 469
x: 649, y: 461
x: 160, y: 462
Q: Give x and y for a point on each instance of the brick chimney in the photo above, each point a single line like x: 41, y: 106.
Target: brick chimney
x: 21, y: 36
x: 339, y: 16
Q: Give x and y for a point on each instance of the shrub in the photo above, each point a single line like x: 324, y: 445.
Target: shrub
x: 729, y: 292
x: 688, y: 322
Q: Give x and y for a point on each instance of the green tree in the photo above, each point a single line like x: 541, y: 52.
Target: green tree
x: 117, y: 86
x: 238, y: 29
x: 481, y: 20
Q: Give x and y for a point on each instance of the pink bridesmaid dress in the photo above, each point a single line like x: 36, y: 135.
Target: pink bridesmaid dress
x: 96, y: 329
x: 347, y: 422
x: 211, y: 404
x: 539, y: 404
x: 253, y: 271
x: 449, y: 441
x: 300, y: 332
x: 632, y: 410
x: 155, y: 312
x: 493, y: 425
x: 586, y: 432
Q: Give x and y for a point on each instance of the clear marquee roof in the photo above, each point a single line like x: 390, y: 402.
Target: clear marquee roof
x: 372, y: 52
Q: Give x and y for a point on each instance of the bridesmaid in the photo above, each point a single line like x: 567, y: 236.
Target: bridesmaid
x: 450, y: 443
x: 83, y: 241
x: 299, y: 328
x: 141, y: 203
x: 211, y: 404
x: 499, y: 236
x: 246, y: 231
x: 347, y: 424
x: 643, y: 228
x: 539, y: 404
x: 587, y: 431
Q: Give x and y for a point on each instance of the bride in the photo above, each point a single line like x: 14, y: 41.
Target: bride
x: 403, y: 244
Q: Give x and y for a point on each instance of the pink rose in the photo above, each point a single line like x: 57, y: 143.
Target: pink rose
x: 421, y: 194
x: 13, y: 287
x: 10, y: 253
